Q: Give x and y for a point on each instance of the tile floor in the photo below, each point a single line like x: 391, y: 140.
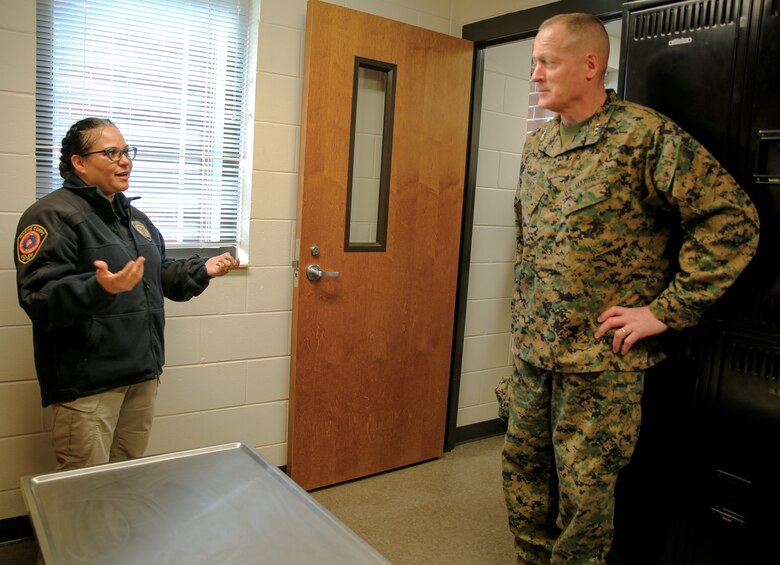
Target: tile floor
x: 449, y: 510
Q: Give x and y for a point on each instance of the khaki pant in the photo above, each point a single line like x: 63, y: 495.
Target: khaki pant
x: 105, y: 427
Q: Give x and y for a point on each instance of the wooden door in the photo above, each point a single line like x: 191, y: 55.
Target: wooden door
x: 371, y: 348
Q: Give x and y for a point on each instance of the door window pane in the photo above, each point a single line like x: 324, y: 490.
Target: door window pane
x: 368, y: 191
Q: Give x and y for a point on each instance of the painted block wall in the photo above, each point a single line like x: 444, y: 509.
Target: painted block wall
x: 486, y: 347
x: 228, y: 351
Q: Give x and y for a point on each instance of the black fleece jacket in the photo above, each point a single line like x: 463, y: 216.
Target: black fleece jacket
x: 87, y: 340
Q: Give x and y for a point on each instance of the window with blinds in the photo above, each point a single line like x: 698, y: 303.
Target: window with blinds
x: 177, y: 78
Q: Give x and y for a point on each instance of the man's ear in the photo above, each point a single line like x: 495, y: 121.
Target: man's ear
x: 593, y: 64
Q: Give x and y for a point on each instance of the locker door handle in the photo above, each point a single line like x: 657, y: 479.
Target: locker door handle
x: 728, y: 517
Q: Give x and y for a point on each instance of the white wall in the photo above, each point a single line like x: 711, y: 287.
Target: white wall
x: 486, y: 347
x: 24, y: 447
x: 468, y: 11
x: 614, y: 32
x: 227, y: 368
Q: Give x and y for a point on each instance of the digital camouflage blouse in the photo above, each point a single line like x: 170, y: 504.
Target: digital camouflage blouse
x: 596, y: 223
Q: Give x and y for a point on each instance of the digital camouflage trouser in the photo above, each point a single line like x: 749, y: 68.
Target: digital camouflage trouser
x: 578, y: 428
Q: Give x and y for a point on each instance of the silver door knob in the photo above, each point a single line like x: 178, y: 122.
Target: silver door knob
x: 314, y: 272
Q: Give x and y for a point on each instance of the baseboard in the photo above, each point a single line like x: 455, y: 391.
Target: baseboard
x: 479, y: 430
x: 15, y: 529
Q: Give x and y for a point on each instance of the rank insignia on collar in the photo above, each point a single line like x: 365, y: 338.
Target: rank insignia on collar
x: 142, y: 229
x: 29, y: 242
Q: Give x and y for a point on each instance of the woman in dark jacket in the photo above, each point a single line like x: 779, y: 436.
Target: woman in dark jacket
x: 91, y: 275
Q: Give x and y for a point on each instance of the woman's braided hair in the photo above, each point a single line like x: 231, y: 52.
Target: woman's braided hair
x: 78, y: 140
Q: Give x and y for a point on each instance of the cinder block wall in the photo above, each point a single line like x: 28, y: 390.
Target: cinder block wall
x: 228, y: 351
x: 486, y: 347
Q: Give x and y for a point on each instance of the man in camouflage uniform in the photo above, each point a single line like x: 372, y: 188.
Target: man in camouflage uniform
x: 601, y: 188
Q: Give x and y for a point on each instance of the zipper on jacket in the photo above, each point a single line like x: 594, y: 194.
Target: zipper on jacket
x: 147, y: 287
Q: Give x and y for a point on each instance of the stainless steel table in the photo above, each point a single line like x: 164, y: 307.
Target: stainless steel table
x: 219, y: 505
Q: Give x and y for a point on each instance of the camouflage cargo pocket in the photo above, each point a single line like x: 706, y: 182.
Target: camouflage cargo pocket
x: 502, y: 395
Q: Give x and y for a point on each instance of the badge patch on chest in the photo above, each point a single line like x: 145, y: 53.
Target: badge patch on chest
x: 29, y: 242
x: 142, y: 229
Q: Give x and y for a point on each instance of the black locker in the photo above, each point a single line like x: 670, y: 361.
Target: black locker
x: 701, y: 488
x: 681, y: 62
x: 760, y: 151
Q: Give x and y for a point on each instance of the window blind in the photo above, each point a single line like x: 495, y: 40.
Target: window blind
x: 177, y: 78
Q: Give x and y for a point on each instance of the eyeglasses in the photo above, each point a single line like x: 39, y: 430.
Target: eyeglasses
x: 114, y: 153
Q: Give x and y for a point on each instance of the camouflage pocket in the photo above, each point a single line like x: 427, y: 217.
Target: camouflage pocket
x: 502, y: 395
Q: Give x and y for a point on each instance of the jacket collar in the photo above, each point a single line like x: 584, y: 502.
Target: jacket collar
x: 90, y: 193
x: 592, y: 132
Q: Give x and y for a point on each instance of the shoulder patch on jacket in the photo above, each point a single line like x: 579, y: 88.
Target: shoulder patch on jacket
x: 29, y: 242
x: 142, y: 229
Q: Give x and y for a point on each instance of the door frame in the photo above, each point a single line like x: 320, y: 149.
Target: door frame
x: 507, y: 28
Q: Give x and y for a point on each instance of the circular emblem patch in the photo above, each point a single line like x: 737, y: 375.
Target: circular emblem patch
x: 29, y: 242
